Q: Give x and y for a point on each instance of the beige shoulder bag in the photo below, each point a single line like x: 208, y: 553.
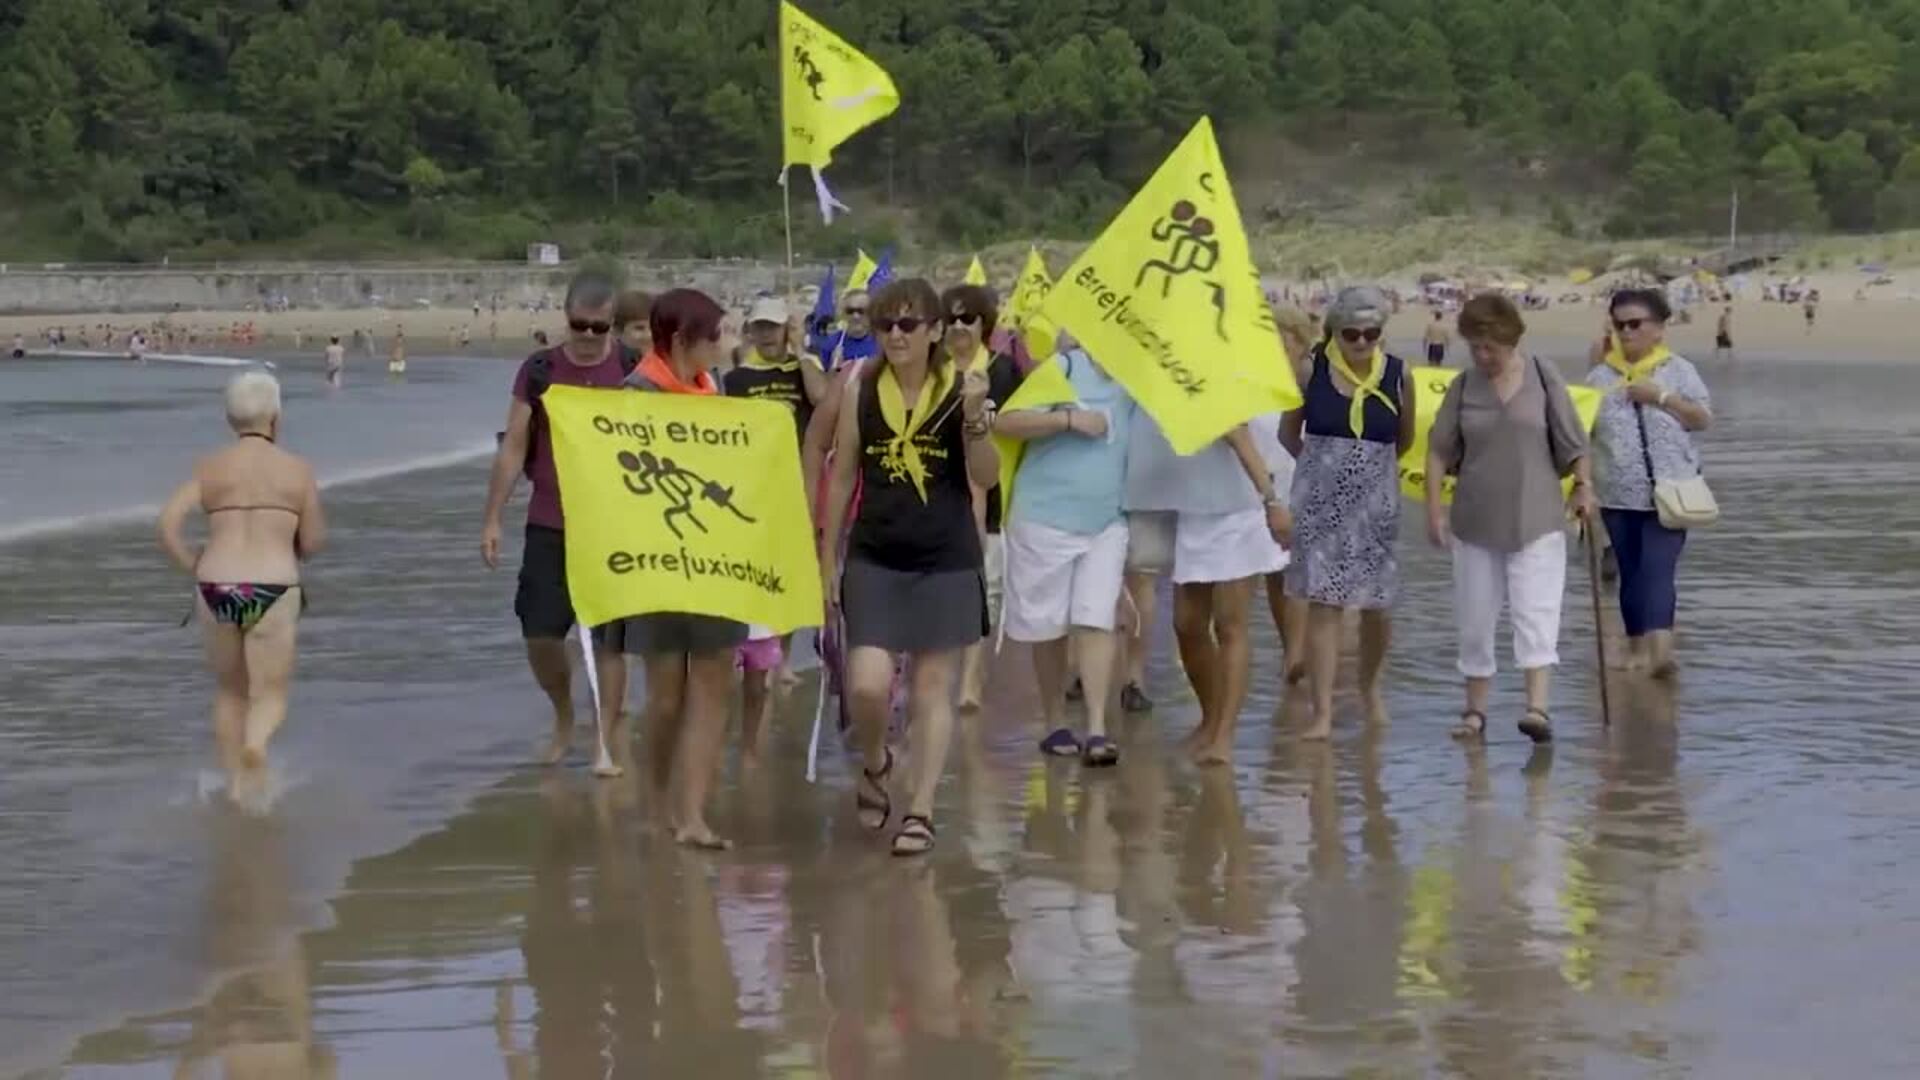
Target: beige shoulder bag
x: 1681, y: 504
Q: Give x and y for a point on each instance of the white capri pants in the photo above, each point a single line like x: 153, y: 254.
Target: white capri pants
x: 1530, y: 582
x: 1057, y: 580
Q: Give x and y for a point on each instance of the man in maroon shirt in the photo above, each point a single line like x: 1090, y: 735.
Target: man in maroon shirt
x: 589, y: 356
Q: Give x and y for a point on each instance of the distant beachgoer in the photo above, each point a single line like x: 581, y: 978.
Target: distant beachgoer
x: 1356, y: 419
x: 1644, y: 432
x: 263, y: 519
x: 336, y: 361
x: 397, y: 356
x: 540, y: 338
x: 1437, y: 337
x: 19, y: 347
x: 1811, y: 307
x: 1723, y: 335
x: 541, y: 602
x: 1508, y: 432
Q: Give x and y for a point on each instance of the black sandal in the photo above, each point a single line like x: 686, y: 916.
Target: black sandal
x: 1540, y: 731
x: 864, y: 804
x: 1472, y: 725
x: 914, y: 829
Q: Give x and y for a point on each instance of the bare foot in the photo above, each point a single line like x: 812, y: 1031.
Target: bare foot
x: 970, y: 703
x: 1296, y: 674
x: 1197, y: 739
x: 1213, y: 753
x: 1666, y: 669
x: 1319, y: 731
x: 1376, y: 705
x: 609, y: 768
x: 787, y: 678
x: 253, y: 759
x: 558, y: 747
x: 700, y: 837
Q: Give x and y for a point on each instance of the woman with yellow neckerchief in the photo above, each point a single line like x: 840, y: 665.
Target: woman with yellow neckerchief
x: 1655, y: 401
x: 915, y: 432
x: 1356, y: 419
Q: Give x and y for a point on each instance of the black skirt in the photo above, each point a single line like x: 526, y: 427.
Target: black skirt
x: 907, y: 611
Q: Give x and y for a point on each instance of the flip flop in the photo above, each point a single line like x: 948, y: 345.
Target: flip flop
x: 1100, y: 753
x: 1061, y: 743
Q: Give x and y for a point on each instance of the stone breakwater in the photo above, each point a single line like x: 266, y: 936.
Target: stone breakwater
x: 52, y: 289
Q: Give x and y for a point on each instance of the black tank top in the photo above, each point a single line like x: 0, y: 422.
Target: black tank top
x: 1327, y: 409
x: 769, y: 384
x: 894, y: 528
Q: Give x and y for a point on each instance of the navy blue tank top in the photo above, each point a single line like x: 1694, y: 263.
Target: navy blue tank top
x: 1328, y: 410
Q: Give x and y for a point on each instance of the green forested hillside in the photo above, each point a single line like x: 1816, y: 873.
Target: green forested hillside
x: 138, y: 128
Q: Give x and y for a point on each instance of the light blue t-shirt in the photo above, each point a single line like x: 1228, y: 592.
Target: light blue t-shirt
x: 1072, y: 482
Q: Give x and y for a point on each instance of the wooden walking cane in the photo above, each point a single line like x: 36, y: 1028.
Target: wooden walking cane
x: 1599, y: 626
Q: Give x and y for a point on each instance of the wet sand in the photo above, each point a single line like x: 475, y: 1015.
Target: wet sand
x: 1719, y: 884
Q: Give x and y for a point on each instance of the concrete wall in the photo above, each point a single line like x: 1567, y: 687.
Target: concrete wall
x: 48, y: 290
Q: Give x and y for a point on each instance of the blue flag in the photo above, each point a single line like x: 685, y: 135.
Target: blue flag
x: 820, y: 321
x: 882, y: 271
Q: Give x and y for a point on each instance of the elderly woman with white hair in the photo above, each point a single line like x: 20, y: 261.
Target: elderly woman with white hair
x: 263, y: 518
x: 1355, y: 420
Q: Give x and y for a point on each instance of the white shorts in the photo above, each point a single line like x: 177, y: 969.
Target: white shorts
x: 1057, y: 580
x: 1203, y: 549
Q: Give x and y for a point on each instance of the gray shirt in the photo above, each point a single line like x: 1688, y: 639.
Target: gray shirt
x: 1508, y: 457
x: 1619, y: 468
x: 1209, y: 482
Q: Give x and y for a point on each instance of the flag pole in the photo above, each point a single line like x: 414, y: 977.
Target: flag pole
x: 786, y: 213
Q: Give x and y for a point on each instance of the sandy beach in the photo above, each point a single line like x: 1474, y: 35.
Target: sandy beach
x: 1873, y: 326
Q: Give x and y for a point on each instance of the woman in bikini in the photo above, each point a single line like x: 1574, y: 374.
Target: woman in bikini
x: 263, y: 519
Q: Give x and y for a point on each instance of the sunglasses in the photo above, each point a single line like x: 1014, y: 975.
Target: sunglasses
x: 1624, y: 325
x: 1354, y: 334
x: 906, y: 324
x: 963, y: 320
x: 852, y: 311
x: 586, y: 326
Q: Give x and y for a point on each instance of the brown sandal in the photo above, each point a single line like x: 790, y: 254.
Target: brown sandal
x: 1541, y: 730
x: 1472, y: 725
x: 915, y: 836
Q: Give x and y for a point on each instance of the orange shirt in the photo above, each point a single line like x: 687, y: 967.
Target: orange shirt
x: 657, y: 371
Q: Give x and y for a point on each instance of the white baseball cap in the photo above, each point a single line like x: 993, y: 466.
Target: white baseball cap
x: 767, y: 309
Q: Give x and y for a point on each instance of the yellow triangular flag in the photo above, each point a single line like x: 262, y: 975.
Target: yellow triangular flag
x: 828, y: 91
x: 1045, y: 386
x: 976, y: 274
x: 863, y: 268
x: 1168, y: 301
x: 1023, y: 308
x: 1429, y: 389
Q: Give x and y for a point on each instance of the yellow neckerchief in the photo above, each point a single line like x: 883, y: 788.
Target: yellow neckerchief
x: 788, y: 364
x: 902, y: 456
x: 1642, y: 368
x: 1362, y: 388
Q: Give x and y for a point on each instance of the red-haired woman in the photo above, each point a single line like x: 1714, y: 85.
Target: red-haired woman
x: 689, y: 658
x: 916, y: 433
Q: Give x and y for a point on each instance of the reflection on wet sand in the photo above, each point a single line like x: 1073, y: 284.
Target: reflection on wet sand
x: 1153, y: 919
